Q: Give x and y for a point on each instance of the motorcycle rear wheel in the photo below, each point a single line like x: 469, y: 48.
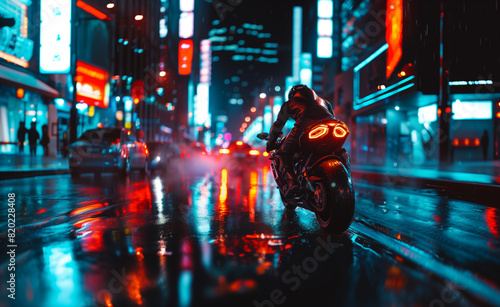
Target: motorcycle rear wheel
x: 334, y: 206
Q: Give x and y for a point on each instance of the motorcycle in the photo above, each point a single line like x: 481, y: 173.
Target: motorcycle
x: 323, y: 174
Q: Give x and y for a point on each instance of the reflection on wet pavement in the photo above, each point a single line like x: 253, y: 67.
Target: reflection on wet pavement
x: 218, y: 238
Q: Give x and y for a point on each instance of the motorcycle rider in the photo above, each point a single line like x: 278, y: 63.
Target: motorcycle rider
x: 305, y: 107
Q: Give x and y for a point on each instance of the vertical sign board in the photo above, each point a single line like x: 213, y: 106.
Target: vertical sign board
x: 55, y: 36
x: 186, y: 5
x: 394, y: 34
x: 324, y: 43
x: 205, y: 61
x: 306, y: 68
x: 185, y: 56
x: 91, y: 85
x: 201, y: 115
x: 297, y: 42
x: 15, y: 46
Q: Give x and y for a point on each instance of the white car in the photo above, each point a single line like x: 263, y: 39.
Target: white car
x: 107, y: 150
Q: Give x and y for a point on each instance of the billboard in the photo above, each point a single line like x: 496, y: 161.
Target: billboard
x: 55, y: 36
x: 185, y: 56
x: 91, y: 85
x: 15, y: 46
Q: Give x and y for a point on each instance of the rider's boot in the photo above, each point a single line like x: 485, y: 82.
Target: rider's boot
x: 293, y: 185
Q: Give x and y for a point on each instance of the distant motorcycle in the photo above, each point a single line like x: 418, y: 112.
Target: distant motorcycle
x: 324, y: 177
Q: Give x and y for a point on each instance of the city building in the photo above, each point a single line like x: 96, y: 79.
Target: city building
x: 26, y: 96
x: 388, y: 86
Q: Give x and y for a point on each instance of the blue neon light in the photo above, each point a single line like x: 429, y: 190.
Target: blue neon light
x: 371, y: 57
x: 380, y: 92
x: 369, y: 102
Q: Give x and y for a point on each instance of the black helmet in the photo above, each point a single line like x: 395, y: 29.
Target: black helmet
x: 295, y: 89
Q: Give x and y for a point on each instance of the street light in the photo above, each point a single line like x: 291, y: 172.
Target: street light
x: 253, y: 109
x: 139, y: 17
x: 263, y: 95
x: 110, y: 5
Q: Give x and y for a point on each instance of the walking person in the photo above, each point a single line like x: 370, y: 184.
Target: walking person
x: 64, y: 147
x: 21, y: 137
x: 33, y: 137
x: 45, y: 140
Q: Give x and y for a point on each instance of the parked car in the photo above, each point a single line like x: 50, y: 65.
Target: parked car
x: 162, y: 155
x: 107, y: 150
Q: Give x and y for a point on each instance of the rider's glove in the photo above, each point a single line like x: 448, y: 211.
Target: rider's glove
x: 269, y: 146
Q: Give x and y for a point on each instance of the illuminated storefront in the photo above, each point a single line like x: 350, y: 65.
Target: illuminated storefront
x: 23, y: 96
x: 390, y: 84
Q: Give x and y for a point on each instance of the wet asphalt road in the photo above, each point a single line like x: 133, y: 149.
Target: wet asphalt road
x: 222, y: 238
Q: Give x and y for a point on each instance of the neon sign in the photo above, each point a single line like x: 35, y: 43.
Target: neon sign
x: 55, y: 36
x: 185, y: 56
x: 15, y: 46
x: 91, y: 84
x: 394, y: 34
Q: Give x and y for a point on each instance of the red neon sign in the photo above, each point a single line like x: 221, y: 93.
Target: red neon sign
x: 394, y: 34
x: 185, y: 56
x: 91, y: 10
x: 91, y: 85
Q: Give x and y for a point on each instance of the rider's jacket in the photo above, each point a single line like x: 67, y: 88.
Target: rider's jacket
x: 305, y: 108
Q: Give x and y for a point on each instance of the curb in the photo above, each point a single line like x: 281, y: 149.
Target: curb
x: 458, y: 188
x: 464, y: 279
x: 32, y: 173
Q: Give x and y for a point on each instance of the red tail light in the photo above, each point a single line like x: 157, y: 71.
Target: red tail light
x: 254, y: 152
x: 318, y: 132
x: 339, y: 132
x: 224, y: 151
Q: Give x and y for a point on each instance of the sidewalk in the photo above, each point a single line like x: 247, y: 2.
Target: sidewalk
x: 476, y: 178
x: 16, y: 166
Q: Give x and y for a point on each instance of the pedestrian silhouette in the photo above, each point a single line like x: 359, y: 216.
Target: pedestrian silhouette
x: 485, y: 141
x: 33, y: 137
x: 64, y: 148
x: 21, y: 137
x: 45, y: 140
